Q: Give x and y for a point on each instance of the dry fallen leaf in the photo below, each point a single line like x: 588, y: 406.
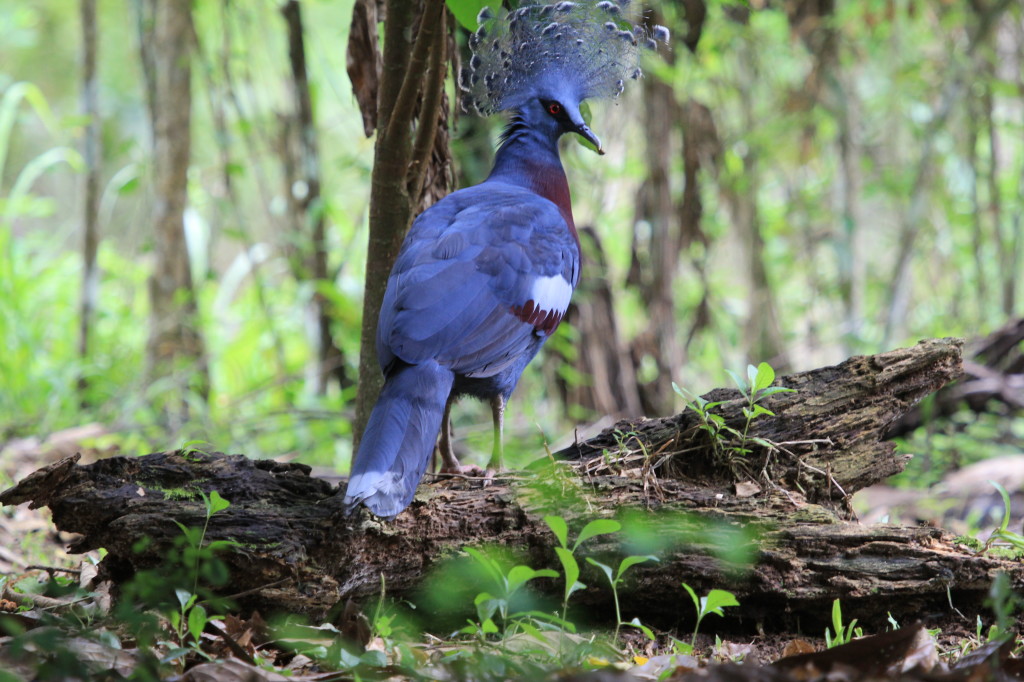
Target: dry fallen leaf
x: 747, y: 489
x: 796, y: 647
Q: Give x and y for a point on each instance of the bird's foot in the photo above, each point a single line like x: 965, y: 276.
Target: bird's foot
x: 465, y: 470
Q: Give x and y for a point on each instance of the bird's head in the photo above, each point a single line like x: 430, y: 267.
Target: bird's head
x: 542, y: 61
x: 555, y: 111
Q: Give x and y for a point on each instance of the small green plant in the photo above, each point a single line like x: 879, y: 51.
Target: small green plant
x: 508, y: 583
x: 1004, y: 603
x: 566, y: 554
x: 624, y: 565
x: 759, y: 388
x: 841, y: 635
x: 1003, y: 532
x: 191, y: 617
x: 195, y: 538
x: 714, y: 602
x: 729, y: 442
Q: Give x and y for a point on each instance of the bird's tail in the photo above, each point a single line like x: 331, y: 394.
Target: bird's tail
x: 399, y: 439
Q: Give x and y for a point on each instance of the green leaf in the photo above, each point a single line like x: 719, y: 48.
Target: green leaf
x: 570, y: 568
x: 837, y: 617
x: 597, y: 527
x: 488, y: 627
x: 559, y: 528
x: 519, y: 575
x: 719, y: 599
x: 486, y: 604
x: 466, y: 11
x: 607, y: 569
x: 196, y: 621
x: 185, y: 598
x: 631, y: 561
x: 374, y: 658
x: 648, y: 633
x: 764, y: 377
x: 683, y: 648
x: 488, y: 564
x: 739, y: 382
x: 772, y: 390
x: 543, y: 617
x: 693, y: 596
x: 215, y: 503
x: 1005, y: 523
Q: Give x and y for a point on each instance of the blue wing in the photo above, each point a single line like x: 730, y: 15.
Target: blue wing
x: 482, y: 277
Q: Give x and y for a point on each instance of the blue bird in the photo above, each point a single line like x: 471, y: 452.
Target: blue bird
x: 485, y: 275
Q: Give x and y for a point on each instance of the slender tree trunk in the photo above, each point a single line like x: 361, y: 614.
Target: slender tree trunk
x: 413, y: 72
x: 763, y: 333
x: 912, y: 219
x: 658, y: 248
x: 977, y: 223
x: 851, y: 262
x: 175, y: 351
x: 303, y: 192
x: 995, y: 205
x: 90, y: 207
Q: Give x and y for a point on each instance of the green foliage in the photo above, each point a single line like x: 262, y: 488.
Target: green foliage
x: 183, y: 586
x: 566, y: 554
x: 613, y: 582
x: 508, y: 583
x: 1005, y: 604
x: 1003, y: 533
x: 714, y: 602
x: 729, y: 443
x: 841, y: 634
x: 466, y: 11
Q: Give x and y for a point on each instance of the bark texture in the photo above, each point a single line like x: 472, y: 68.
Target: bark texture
x: 411, y: 156
x: 175, y: 351
x: 782, y: 542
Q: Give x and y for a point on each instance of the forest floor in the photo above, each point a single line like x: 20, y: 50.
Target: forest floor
x: 60, y: 624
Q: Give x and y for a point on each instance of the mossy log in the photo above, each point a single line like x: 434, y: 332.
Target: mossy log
x: 774, y: 528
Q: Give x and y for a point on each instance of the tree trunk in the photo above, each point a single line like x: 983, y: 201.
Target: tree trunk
x: 90, y: 205
x: 302, y: 178
x: 606, y: 382
x: 913, y: 217
x: 763, y: 333
x: 411, y: 90
x: 656, y: 250
x: 659, y: 477
x: 175, y: 350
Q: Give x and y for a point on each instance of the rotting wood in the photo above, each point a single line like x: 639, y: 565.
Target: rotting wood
x: 298, y: 555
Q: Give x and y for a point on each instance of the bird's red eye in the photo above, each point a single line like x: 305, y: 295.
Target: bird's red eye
x: 554, y: 108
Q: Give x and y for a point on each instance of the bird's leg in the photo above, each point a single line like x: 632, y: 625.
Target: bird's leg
x: 498, y: 416
x: 449, y: 464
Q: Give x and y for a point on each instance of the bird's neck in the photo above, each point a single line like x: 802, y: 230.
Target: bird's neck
x: 529, y: 158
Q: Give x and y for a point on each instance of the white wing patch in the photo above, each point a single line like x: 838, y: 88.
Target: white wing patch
x: 551, y: 294
x: 549, y: 299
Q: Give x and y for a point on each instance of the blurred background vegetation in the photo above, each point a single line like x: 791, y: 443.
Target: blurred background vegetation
x: 794, y: 182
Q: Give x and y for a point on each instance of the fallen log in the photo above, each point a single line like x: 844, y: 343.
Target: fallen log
x: 784, y: 505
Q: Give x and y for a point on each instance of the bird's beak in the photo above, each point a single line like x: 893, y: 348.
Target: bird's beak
x: 587, y: 134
